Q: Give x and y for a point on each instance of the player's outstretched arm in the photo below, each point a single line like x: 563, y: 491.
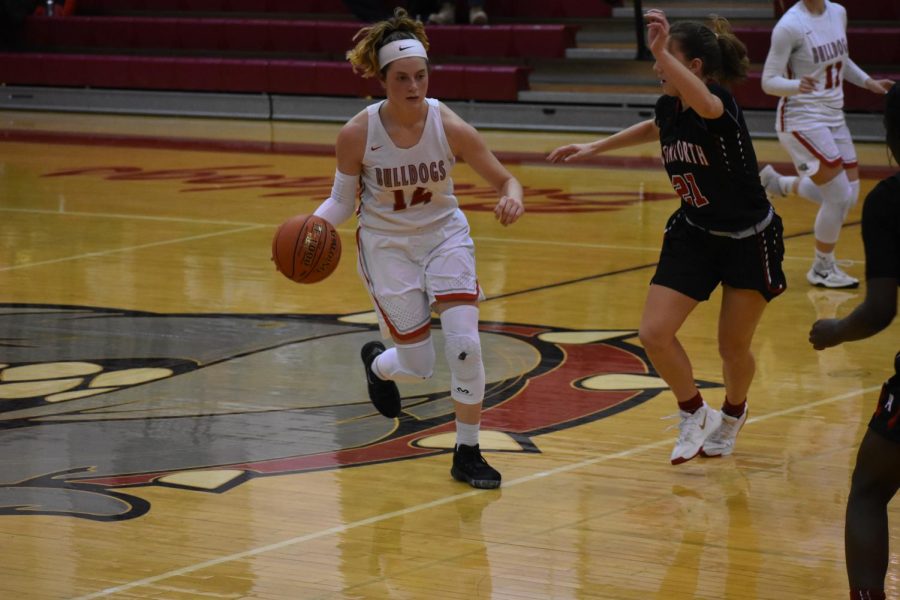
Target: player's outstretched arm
x: 639, y: 133
x: 879, y: 86
x: 855, y: 75
x: 874, y: 314
x: 880, y: 306
x: 467, y: 143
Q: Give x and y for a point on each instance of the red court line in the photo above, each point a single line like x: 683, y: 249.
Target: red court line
x: 300, y: 148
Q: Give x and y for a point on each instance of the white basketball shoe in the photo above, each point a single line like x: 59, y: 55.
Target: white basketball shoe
x: 770, y: 178
x: 721, y: 442
x: 693, y: 431
x: 829, y: 275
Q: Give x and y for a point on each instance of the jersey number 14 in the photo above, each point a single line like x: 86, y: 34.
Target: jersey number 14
x: 420, y: 196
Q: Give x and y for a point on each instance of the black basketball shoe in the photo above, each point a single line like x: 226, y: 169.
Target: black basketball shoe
x: 470, y: 466
x: 383, y: 394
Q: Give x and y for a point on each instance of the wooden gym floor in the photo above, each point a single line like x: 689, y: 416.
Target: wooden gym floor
x: 179, y: 421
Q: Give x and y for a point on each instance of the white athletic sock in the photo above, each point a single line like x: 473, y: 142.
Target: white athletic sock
x: 415, y: 364
x: 467, y: 434
x: 826, y: 259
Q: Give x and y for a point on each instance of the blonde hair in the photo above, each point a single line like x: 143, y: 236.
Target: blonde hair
x: 364, y: 56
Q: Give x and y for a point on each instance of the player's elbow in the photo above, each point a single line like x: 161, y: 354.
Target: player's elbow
x: 710, y: 109
x: 768, y: 87
x: 886, y: 317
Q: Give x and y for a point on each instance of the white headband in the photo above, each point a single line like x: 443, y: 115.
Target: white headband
x: 400, y: 49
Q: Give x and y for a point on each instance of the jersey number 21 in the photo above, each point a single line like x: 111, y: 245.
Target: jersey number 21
x: 687, y: 188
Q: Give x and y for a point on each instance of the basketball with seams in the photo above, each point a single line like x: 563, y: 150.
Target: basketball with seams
x: 306, y: 248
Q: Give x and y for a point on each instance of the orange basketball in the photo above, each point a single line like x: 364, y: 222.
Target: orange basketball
x: 306, y: 248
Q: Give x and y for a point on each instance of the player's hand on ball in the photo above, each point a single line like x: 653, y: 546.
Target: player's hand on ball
x: 569, y: 153
x: 824, y: 334
x: 508, y: 210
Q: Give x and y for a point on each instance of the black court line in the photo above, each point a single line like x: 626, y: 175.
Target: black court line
x: 570, y: 282
x: 550, y: 286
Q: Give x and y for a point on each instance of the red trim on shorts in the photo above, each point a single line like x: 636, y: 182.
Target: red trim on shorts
x: 851, y: 165
x: 456, y: 297
x: 402, y: 337
x: 815, y: 152
x: 881, y: 396
x: 395, y: 333
x: 460, y: 297
x: 766, y: 265
x: 892, y: 422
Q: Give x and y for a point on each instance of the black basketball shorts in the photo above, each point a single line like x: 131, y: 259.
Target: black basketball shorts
x: 887, y: 413
x: 694, y: 261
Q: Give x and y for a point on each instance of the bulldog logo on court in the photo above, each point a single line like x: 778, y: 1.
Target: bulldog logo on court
x: 95, y: 401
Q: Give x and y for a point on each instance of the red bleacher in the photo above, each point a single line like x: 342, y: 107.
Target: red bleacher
x: 857, y: 10
x: 517, y: 9
x: 453, y: 82
x: 868, y: 45
x: 284, y: 36
x: 260, y: 54
x: 293, y: 47
x: 244, y: 6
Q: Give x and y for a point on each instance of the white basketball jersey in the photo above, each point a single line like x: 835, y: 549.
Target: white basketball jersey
x: 820, y: 50
x: 407, y: 190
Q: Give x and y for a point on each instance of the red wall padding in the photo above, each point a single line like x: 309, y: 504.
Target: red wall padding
x: 452, y: 82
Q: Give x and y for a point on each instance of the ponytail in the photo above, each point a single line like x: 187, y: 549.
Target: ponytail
x: 724, y: 56
x: 735, y: 62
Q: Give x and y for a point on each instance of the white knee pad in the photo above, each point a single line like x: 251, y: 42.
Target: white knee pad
x: 462, y: 347
x: 836, y: 201
x: 408, y: 363
x: 809, y: 190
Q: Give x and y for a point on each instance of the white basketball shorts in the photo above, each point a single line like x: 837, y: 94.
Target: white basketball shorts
x: 407, y: 274
x: 811, y: 148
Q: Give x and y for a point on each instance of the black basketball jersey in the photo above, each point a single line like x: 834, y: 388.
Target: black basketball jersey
x: 881, y: 229
x: 712, y: 164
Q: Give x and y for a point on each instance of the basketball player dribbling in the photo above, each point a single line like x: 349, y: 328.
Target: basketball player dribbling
x: 807, y: 64
x: 876, y: 476
x: 415, y: 251
x: 725, y: 230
